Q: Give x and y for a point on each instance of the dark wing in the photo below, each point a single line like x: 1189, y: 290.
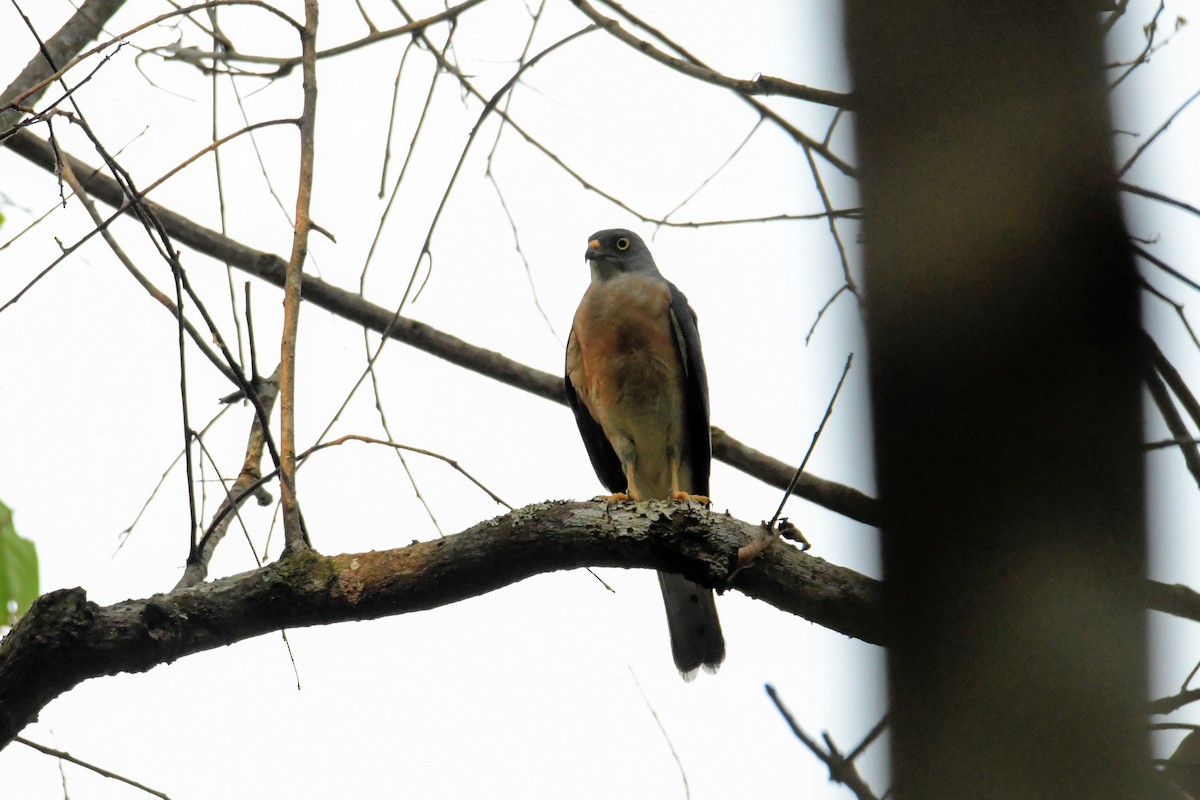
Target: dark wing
x: 604, y: 458
x: 696, y: 428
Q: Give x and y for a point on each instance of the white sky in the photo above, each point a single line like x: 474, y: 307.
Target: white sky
x: 534, y: 689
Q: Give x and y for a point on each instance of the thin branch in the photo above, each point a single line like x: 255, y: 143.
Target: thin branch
x: 871, y: 736
x: 1160, y: 197
x: 841, y: 769
x: 847, y: 278
x: 845, y: 287
x: 490, y: 175
x: 1187, y: 326
x: 1174, y: 380
x: 1174, y: 599
x: 35, y: 78
x: 760, y: 85
x: 247, y: 483
x: 1163, y: 444
x: 197, y: 339
x: 801, y: 138
x: 64, y: 756
x: 415, y: 26
x: 1174, y: 422
x: 124, y: 535
x: 721, y: 168
x: 354, y: 437
x: 838, y: 213
x: 1137, y: 153
x: 812, y: 445
x: 294, y: 535
x: 219, y: 180
x: 687, y: 789
x: 387, y: 431
x: 202, y: 59
x: 1165, y: 705
x: 769, y: 529
x: 220, y: 517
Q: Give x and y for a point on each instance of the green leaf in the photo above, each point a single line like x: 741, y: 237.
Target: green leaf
x: 18, y: 567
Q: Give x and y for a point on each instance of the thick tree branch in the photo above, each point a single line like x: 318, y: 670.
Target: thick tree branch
x: 65, y: 639
x: 348, y: 305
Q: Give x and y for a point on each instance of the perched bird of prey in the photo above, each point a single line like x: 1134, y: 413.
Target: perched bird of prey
x: 636, y: 382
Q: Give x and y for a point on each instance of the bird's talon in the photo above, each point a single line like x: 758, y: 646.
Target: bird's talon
x: 684, y: 497
x: 613, y: 499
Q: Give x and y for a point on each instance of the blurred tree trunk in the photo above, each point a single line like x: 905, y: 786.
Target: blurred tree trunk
x: 1002, y: 320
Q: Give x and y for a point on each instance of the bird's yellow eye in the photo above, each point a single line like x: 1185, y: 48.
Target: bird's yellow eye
x: 622, y: 243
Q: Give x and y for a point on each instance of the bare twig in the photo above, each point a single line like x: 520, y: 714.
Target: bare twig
x: 841, y: 769
x: 219, y: 517
x: 29, y: 86
x: 728, y: 160
x: 1141, y: 191
x: 812, y: 445
x: 752, y: 550
x: 247, y: 483
x: 1146, y: 144
x: 760, y: 85
x: 1174, y: 380
x: 828, y: 304
x: 294, y: 536
x: 124, y: 535
x: 1165, y: 705
x: 1165, y: 267
x: 1174, y: 422
x: 831, y: 220
x: 1187, y: 326
x: 197, y: 339
x: 64, y: 756
x: 1150, y: 29
x: 687, y: 789
x: 354, y: 437
x: 801, y: 138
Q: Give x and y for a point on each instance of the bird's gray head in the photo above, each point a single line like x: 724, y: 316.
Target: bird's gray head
x: 617, y: 252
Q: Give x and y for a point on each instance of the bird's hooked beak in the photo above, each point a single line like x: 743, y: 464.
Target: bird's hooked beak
x: 593, y: 251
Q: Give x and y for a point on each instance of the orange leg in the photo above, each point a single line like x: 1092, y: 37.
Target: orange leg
x: 631, y: 492
x: 678, y: 494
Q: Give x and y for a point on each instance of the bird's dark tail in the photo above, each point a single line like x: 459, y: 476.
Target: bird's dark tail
x: 696, y: 638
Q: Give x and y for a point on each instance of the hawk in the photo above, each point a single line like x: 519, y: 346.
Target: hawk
x: 635, y: 379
